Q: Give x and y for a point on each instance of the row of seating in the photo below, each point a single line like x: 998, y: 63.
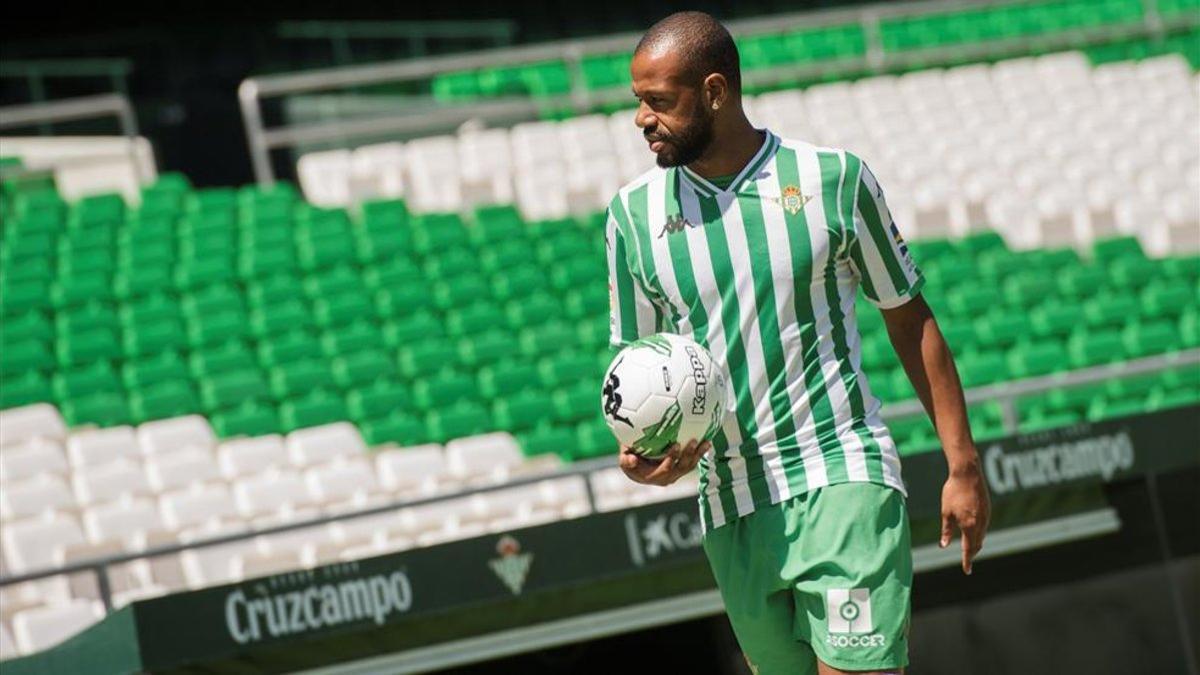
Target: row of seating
x: 933, y: 30
x: 1038, y: 148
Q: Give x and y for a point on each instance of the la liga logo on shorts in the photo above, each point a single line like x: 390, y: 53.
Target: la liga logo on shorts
x: 848, y: 612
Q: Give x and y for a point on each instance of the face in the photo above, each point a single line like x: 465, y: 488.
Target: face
x: 672, y: 113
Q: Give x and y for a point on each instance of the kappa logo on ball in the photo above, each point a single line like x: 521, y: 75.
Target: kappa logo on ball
x: 848, y: 614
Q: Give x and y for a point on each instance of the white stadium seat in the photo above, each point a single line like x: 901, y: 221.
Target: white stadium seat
x: 245, y: 456
x: 180, y: 469
x: 316, y: 445
x: 29, y: 458
x: 196, y: 504
x: 39, y: 542
x: 122, y: 520
x: 43, y: 627
x: 325, y: 177
x: 481, y: 454
x: 341, y: 479
x: 32, y: 496
x: 8, y: 646
x: 269, y: 491
x: 40, y: 420
x: 101, y: 446
x: 104, y: 482
x: 403, y: 469
x: 163, y: 437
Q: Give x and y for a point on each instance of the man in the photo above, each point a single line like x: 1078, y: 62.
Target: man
x: 755, y: 246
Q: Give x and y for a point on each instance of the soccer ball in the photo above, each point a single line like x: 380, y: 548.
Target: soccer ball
x: 662, y: 389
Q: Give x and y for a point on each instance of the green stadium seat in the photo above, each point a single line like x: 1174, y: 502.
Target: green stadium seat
x: 1036, y: 359
x: 399, y: 429
x: 82, y: 382
x: 231, y: 389
x: 550, y: 337
x: 423, y: 359
x: 412, y: 329
x: 102, y: 409
x: 1095, y: 347
x: 460, y: 292
x: 486, y: 348
x: 223, y: 358
x: 24, y: 389
x: 297, y: 378
x: 1150, y: 337
x: 399, y: 302
x: 1117, y: 248
x: 249, y: 419
x: 98, y: 344
x: 153, y: 338
x: 1002, y: 329
x: 151, y: 370
x: 381, y: 398
x: 518, y: 283
x: 521, y: 411
x: 463, y: 419
x: 1082, y: 282
x: 474, y: 319
x: 547, y: 439
x: 282, y: 317
x: 506, y: 378
x: 351, y: 338
x: 29, y: 326
x: 313, y: 409
x: 18, y: 357
x: 167, y: 399
x: 284, y: 348
x: 1166, y: 299
x: 442, y: 390
x: 577, y: 402
x: 341, y: 309
x: 533, y: 310
x: 1110, y: 310
x: 568, y: 368
x: 593, y: 439
x: 393, y: 274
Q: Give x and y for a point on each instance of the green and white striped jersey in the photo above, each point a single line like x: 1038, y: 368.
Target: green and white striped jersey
x: 764, y: 274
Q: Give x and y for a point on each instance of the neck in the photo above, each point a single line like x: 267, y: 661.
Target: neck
x: 731, y: 149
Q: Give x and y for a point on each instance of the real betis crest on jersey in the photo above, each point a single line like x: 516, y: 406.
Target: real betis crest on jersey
x: 793, y: 200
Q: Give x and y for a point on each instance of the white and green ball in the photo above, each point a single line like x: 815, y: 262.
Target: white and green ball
x: 663, y: 389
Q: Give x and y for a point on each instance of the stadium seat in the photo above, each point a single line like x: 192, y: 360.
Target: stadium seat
x: 27, y: 459
x: 43, y: 627
x: 104, y: 482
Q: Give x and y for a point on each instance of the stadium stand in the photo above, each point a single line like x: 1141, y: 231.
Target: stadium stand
x: 181, y: 363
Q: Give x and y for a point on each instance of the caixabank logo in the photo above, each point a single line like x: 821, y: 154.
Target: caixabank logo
x: 848, y: 612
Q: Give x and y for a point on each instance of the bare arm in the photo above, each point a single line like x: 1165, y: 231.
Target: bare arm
x: 930, y: 367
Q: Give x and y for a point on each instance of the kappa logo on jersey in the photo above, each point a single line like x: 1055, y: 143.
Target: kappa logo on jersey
x: 848, y: 612
x: 675, y: 224
x: 792, y: 199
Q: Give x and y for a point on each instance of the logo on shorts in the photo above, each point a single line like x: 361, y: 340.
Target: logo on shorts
x: 849, y: 618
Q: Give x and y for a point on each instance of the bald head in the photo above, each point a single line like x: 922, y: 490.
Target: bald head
x: 701, y: 44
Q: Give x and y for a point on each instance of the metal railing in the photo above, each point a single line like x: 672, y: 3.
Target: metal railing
x: 41, y: 115
x: 429, y: 116
x: 1006, y: 393
x: 417, y: 34
x: 36, y: 73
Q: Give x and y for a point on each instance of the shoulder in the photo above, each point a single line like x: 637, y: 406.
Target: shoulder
x: 644, y: 179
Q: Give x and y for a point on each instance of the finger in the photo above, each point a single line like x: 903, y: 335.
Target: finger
x: 947, y: 529
x: 662, y: 472
x: 628, y: 461
x: 967, y: 553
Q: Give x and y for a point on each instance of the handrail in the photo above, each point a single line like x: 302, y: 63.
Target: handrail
x: 1005, y: 392
x: 70, y: 110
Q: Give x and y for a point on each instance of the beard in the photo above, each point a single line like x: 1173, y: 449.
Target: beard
x: 687, y: 145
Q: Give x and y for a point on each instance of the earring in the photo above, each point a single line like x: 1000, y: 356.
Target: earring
x: 716, y: 105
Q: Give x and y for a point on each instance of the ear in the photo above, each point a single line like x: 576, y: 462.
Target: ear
x: 716, y: 91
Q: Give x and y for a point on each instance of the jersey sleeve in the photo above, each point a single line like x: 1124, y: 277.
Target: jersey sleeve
x: 632, y: 314
x: 879, y: 255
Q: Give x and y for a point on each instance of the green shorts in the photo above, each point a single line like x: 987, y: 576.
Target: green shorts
x: 824, y: 575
